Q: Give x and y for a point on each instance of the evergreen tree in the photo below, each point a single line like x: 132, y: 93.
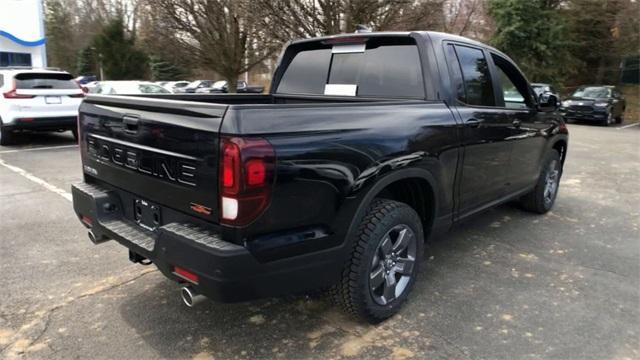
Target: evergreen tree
x: 162, y: 69
x: 534, y: 34
x: 595, y: 33
x: 86, y: 62
x: 119, y: 57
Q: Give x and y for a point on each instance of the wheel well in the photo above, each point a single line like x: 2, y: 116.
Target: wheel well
x: 415, y: 192
x: 561, y: 147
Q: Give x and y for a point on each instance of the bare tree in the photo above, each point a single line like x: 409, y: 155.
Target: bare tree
x: 224, y: 35
x: 288, y: 19
x: 467, y: 18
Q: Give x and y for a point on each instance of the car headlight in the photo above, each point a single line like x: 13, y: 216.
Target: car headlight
x: 565, y: 103
x: 601, y: 104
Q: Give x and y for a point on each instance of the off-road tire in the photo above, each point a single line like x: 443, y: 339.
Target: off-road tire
x: 353, y: 292
x: 534, y: 201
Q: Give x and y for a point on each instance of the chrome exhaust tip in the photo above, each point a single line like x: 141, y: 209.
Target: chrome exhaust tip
x: 96, y: 239
x: 190, y: 297
x: 92, y: 237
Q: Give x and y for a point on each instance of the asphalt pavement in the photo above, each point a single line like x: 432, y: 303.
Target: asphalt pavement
x: 505, y: 285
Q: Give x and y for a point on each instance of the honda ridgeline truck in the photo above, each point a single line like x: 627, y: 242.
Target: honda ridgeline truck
x: 366, y: 145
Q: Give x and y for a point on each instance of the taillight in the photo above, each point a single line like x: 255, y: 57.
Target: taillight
x: 84, y: 90
x: 247, y: 167
x: 12, y: 94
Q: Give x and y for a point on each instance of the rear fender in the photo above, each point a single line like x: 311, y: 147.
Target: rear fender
x: 377, y: 188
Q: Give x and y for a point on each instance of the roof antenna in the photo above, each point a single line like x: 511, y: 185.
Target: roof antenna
x: 362, y: 29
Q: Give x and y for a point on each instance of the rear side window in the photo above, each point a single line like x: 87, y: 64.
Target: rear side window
x: 45, y: 81
x: 383, y: 68
x: 477, y: 78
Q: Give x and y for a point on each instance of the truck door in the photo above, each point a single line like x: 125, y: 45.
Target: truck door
x: 485, y: 133
x: 528, y: 126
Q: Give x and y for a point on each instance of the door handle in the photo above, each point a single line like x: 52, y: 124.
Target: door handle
x: 130, y: 123
x: 473, y: 122
x: 516, y: 123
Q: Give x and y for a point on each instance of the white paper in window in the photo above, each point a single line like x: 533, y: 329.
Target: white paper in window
x: 340, y: 89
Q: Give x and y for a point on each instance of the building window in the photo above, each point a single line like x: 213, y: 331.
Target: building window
x: 14, y: 59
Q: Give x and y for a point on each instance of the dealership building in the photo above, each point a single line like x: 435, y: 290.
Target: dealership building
x: 22, y: 39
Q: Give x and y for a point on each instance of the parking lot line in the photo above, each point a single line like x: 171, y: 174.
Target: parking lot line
x: 628, y: 126
x: 38, y: 148
x: 37, y: 180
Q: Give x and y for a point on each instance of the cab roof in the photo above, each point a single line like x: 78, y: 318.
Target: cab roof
x: 433, y: 36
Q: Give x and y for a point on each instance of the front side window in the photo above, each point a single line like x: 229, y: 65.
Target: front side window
x: 512, y: 83
x: 476, y: 76
x: 384, y: 68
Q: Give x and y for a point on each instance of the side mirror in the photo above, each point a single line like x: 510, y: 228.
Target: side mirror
x: 547, y: 102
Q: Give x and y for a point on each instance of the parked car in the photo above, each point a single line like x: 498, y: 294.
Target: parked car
x: 88, y: 86
x: 366, y: 146
x: 128, y: 88
x: 176, y: 86
x: 85, y: 79
x: 223, y: 87
x: 198, y: 84
x: 540, y: 88
x: 603, y: 104
x: 37, y: 100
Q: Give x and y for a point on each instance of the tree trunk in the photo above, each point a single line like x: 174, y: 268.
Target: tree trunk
x: 232, y: 83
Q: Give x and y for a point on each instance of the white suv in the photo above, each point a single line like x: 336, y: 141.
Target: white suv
x: 37, y: 100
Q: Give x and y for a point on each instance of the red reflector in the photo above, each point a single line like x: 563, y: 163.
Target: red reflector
x: 86, y: 220
x: 256, y: 172
x: 26, y: 120
x: 185, y: 274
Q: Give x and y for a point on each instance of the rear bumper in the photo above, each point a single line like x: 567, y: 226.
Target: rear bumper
x: 226, y: 271
x: 43, y: 123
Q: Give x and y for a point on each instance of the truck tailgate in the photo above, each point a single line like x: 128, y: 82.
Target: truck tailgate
x: 162, y: 151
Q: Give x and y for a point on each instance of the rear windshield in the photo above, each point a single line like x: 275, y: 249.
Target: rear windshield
x: 45, y: 81
x: 384, y: 67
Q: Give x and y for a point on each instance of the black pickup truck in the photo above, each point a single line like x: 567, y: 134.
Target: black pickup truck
x: 366, y: 146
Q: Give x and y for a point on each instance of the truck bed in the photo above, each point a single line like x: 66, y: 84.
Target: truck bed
x: 166, y: 147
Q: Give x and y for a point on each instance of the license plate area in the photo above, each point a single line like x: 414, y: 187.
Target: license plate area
x: 146, y: 214
x: 52, y: 99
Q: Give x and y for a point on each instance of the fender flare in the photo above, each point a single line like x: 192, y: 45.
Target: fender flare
x: 383, y: 182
